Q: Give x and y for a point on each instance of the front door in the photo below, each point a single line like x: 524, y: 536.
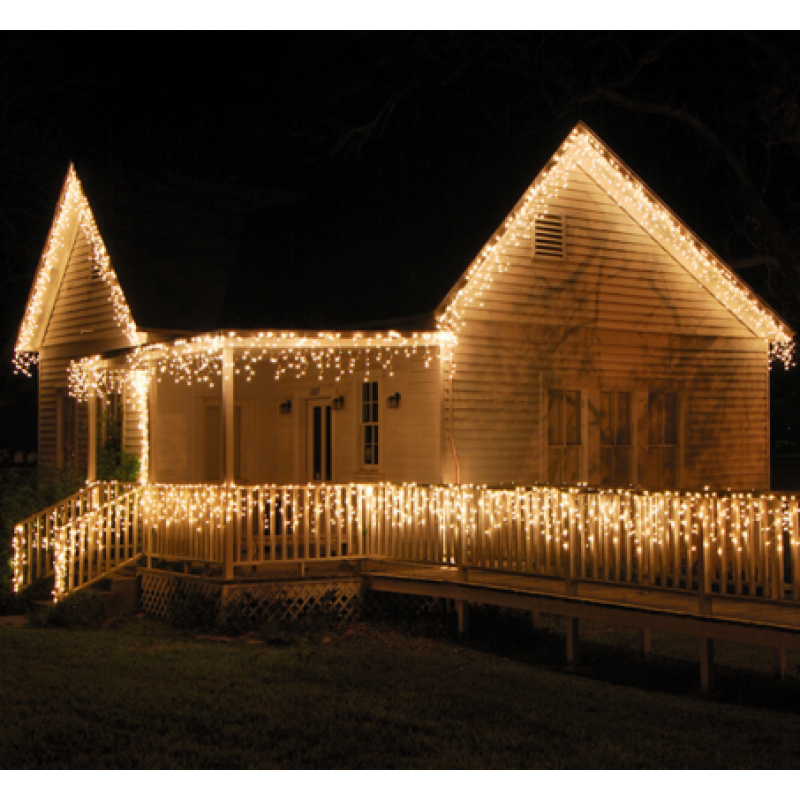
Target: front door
x: 320, y: 441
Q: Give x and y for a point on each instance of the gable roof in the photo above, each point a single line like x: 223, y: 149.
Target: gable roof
x: 584, y: 149
x: 193, y: 258
x: 72, y: 213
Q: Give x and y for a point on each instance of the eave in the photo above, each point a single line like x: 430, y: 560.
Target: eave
x: 585, y: 150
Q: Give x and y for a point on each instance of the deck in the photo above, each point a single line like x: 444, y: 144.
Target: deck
x: 710, y: 565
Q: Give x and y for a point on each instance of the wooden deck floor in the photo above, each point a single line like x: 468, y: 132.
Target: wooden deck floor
x: 769, y: 624
x: 653, y: 599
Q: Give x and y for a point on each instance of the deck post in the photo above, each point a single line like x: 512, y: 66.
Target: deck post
x: 779, y: 663
x: 462, y: 610
x: 703, y: 599
x: 570, y: 584
x: 573, y: 641
x: 91, y: 461
x: 706, y: 664
x: 228, y: 414
x: 644, y: 642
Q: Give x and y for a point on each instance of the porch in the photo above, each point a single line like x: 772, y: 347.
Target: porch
x: 712, y: 565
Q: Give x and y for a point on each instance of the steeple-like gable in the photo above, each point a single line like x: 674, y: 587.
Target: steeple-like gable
x: 76, y: 261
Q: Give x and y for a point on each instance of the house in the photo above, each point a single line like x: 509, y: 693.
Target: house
x: 594, y: 339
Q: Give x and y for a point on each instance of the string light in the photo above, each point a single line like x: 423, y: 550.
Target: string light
x: 583, y: 150
x: 72, y: 207
x: 615, y: 535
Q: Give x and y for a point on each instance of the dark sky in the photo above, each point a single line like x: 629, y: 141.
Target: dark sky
x: 386, y: 160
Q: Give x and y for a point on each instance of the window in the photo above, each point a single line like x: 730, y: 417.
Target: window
x: 662, y: 461
x: 615, y: 438
x: 369, y: 423
x: 563, y: 436
x: 548, y: 236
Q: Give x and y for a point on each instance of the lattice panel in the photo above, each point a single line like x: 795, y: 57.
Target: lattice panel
x: 157, y: 592
x: 335, y: 601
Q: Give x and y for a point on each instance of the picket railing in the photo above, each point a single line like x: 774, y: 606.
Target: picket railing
x: 36, y: 538
x: 743, y: 544
x: 99, y: 541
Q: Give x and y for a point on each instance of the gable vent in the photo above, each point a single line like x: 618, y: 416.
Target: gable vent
x: 548, y: 236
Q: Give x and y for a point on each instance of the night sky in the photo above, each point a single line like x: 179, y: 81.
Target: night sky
x: 385, y: 161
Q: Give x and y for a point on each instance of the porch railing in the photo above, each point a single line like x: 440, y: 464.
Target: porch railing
x: 738, y: 544
x: 36, y: 538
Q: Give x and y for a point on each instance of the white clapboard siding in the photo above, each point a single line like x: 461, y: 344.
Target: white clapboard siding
x: 81, y: 322
x: 616, y: 313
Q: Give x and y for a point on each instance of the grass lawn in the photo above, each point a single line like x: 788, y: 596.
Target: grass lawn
x: 143, y: 695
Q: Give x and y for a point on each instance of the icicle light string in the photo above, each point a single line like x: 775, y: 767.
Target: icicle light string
x: 73, y: 202
x: 583, y: 150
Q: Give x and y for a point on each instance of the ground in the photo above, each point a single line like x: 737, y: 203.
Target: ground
x: 139, y: 694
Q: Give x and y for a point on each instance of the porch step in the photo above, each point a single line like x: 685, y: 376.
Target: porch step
x: 121, y: 591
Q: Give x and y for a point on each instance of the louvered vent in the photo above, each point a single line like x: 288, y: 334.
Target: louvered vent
x: 548, y: 236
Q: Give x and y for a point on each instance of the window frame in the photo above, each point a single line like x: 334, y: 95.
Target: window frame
x: 583, y: 447
x: 374, y: 425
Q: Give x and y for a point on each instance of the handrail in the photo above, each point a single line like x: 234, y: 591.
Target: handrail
x: 711, y: 543
x: 97, y: 542
x: 34, y: 537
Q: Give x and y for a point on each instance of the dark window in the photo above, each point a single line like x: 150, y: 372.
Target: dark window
x: 563, y: 436
x: 662, y: 461
x: 615, y: 438
x: 369, y: 422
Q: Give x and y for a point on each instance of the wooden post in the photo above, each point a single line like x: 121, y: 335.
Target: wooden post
x: 644, y: 642
x: 570, y: 584
x: 91, y: 463
x: 228, y: 414
x: 703, y: 600
x: 536, y: 618
x: 779, y: 663
x: 706, y: 664
x: 227, y: 533
x: 573, y: 641
x: 462, y: 610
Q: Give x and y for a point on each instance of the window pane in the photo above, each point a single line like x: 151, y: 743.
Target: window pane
x: 670, y: 419
x: 668, y: 467
x: 365, y: 392
x: 623, y: 417
x: 374, y: 412
x: 606, y: 466
x: 317, y: 443
x: 554, y: 466
x: 622, y: 472
x: 555, y: 426
x: 572, y: 402
x: 365, y: 412
x: 328, y: 446
x: 655, y: 421
x: 375, y: 391
x: 572, y: 465
x: 606, y: 418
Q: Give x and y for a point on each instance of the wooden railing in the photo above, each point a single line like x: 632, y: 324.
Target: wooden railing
x: 742, y: 544
x: 100, y: 540
x: 35, y: 538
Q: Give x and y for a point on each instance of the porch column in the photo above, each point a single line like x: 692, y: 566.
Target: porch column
x: 229, y: 475
x: 91, y: 460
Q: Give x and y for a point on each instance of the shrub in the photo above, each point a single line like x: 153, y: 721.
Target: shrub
x: 79, y: 610
x: 24, y: 492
